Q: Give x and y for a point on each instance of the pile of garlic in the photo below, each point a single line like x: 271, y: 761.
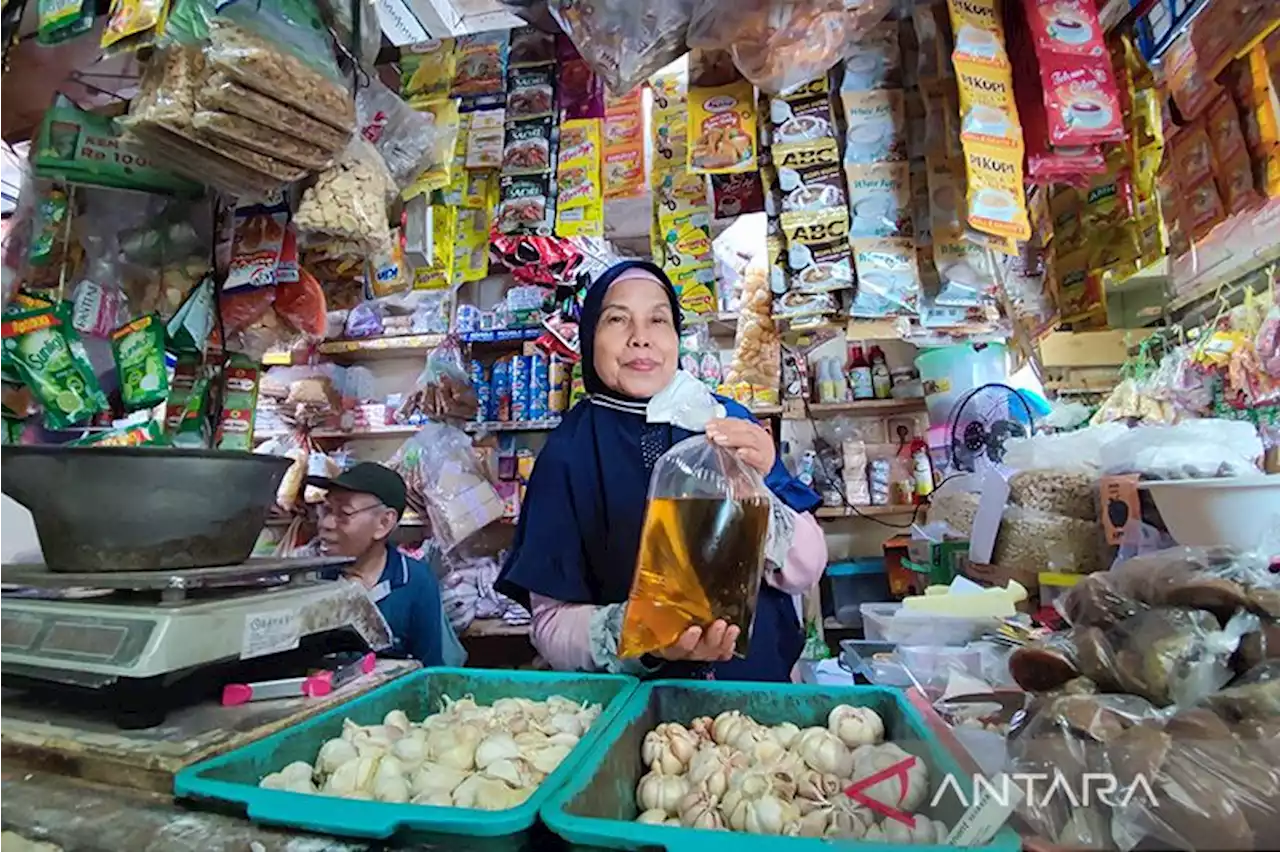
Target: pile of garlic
x: 466, y: 756
x: 733, y: 773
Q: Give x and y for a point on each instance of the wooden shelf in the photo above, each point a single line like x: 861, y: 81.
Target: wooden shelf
x: 544, y: 425
x: 346, y: 435
x: 486, y: 627
x: 766, y: 410
x: 795, y: 409
x: 830, y: 512
x: 377, y: 348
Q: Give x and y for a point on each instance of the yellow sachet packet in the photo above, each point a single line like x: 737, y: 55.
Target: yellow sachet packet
x: 996, y: 203
x: 987, y: 111
x: 722, y: 129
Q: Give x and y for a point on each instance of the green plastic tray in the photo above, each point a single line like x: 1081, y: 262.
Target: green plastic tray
x: 597, y: 808
x: 232, y: 779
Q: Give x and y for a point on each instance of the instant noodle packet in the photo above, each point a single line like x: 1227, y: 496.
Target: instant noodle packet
x: 995, y: 200
x: 138, y: 349
x: 722, y: 129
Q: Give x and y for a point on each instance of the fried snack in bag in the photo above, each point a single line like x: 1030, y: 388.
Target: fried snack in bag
x: 702, y: 548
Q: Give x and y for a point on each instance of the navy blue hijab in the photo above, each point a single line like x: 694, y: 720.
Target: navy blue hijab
x: 579, y: 530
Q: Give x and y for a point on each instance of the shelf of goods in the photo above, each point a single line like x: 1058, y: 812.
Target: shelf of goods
x: 398, y: 431
x: 545, y: 424
x: 830, y: 512
x: 798, y: 409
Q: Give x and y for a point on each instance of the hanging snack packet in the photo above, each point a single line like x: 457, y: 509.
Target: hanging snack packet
x: 530, y: 93
x: 133, y: 24
x: 256, y: 246
x: 722, y: 129
x: 525, y: 206
x: 888, y: 277
x: 527, y: 147
x: 988, y: 113
x: 702, y: 549
x: 39, y: 351
x: 481, y: 64
x: 995, y: 199
x: 427, y: 69
x: 877, y: 124
x: 138, y: 348
x: 879, y: 199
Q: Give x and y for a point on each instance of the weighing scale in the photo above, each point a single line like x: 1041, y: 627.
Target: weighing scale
x: 136, y: 644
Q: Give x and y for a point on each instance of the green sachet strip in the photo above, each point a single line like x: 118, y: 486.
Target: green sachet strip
x: 38, y: 346
x: 138, y: 348
x: 193, y: 430
x: 149, y: 434
x: 20, y: 302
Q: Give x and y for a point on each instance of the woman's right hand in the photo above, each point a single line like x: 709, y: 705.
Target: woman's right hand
x: 712, y: 645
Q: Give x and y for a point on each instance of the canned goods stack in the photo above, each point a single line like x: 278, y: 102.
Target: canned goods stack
x: 500, y: 394
x: 520, y: 368
x: 539, y: 384
x: 558, y: 378
x: 484, y: 391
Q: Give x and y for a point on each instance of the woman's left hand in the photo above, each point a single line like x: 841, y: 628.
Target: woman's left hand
x: 749, y: 440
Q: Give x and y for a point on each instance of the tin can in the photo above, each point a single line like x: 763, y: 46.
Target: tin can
x: 520, y: 367
x: 500, y: 394
x: 539, y: 386
x: 558, y: 370
x: 484, y: 392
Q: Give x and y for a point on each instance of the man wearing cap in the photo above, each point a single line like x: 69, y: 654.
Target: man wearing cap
x: 360, y: 512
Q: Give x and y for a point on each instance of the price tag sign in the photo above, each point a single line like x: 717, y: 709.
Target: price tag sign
x: 269, y: 633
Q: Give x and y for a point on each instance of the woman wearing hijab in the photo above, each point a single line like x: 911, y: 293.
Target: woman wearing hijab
x: 579, y: 534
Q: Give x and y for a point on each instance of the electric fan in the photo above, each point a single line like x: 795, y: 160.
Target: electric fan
x: 983, y: 420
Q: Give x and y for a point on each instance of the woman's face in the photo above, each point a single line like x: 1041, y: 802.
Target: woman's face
x: 636, y: 346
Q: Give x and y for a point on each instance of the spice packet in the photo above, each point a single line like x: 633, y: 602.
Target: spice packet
x: 486, y: 137
x: 481, y: 64
x: 818, y: 256
x: 695, y: 288
x: 427, y: 69
x: 679, y: 193
x: 874, y: 61
x: 1081, y: 101
x: 37, y: 348
x: 735, y: 194
x: 530, y: 93
x: 531, y: 46
x: 527, y: 147
x: 995, y: 200
x: 977, y: 33
x: 888, y: 279
x: 988, y: 114
x: 623, y: 172
x: 578, y: 166
x: 525, y: 205
x: 138, y: 349
x: 686, y: 241
x: 800, y: 120
x: 722, y: 129
x: 879, y: 199
x: 624, y: 120
x: 876, y: 122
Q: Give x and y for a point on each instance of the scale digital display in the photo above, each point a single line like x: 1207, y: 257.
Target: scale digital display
x: 90, y: 641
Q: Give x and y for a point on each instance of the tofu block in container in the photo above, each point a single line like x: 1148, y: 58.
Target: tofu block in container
x: 891, y: 622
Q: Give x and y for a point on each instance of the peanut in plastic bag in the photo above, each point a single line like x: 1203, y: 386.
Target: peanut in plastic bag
x: 702, y: 548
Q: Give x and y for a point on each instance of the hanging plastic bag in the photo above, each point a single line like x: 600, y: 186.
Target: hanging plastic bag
x: 625, y: 42
x: 702, y: 548
x: 405, y: 137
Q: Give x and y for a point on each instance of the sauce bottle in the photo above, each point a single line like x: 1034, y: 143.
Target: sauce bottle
x: 881, y: 379
x: 859, y: 374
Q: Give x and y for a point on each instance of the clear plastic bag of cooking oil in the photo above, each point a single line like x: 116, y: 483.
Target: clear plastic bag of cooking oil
x: 702, y: 548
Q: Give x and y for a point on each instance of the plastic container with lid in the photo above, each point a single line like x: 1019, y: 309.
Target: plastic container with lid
x: 889, y: 622
x: 854, y: 583
x: 949, y: 372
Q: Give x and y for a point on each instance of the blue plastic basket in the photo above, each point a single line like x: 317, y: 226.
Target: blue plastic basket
x: 597, y: 808
x: 232, y: 778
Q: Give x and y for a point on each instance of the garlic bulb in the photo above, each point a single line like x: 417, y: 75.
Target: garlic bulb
x: 436, y: 778
x: 353, y: 776
x: 412, y: 749
x: 856, y: 726
x: 488, y: 794
x: 657, y: 816
x: 560, y: 704
x: 823, y: 751
x: 767, y: 814
x: 785, y: 734
x: 390, y: 788
x: 333, y: 754
x: 567, y: 723
x: 390, y: 767
x: 499, y: 746
x: 728, y: 726
x: 658, y: 791
x: 701, y: 728
x: 923, y: 830
x: 505, y: 769
x: 439, y: 798
x: 397, y: 719
x: 904, y: 790
x: 545, y: 760
x: 455, y: 746
x: 817, y: 786
x: 297, y: 771
x: 669, y: 747
x: 294, y: 783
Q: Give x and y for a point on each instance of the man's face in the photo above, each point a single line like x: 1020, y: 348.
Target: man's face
x: 351, y: 523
